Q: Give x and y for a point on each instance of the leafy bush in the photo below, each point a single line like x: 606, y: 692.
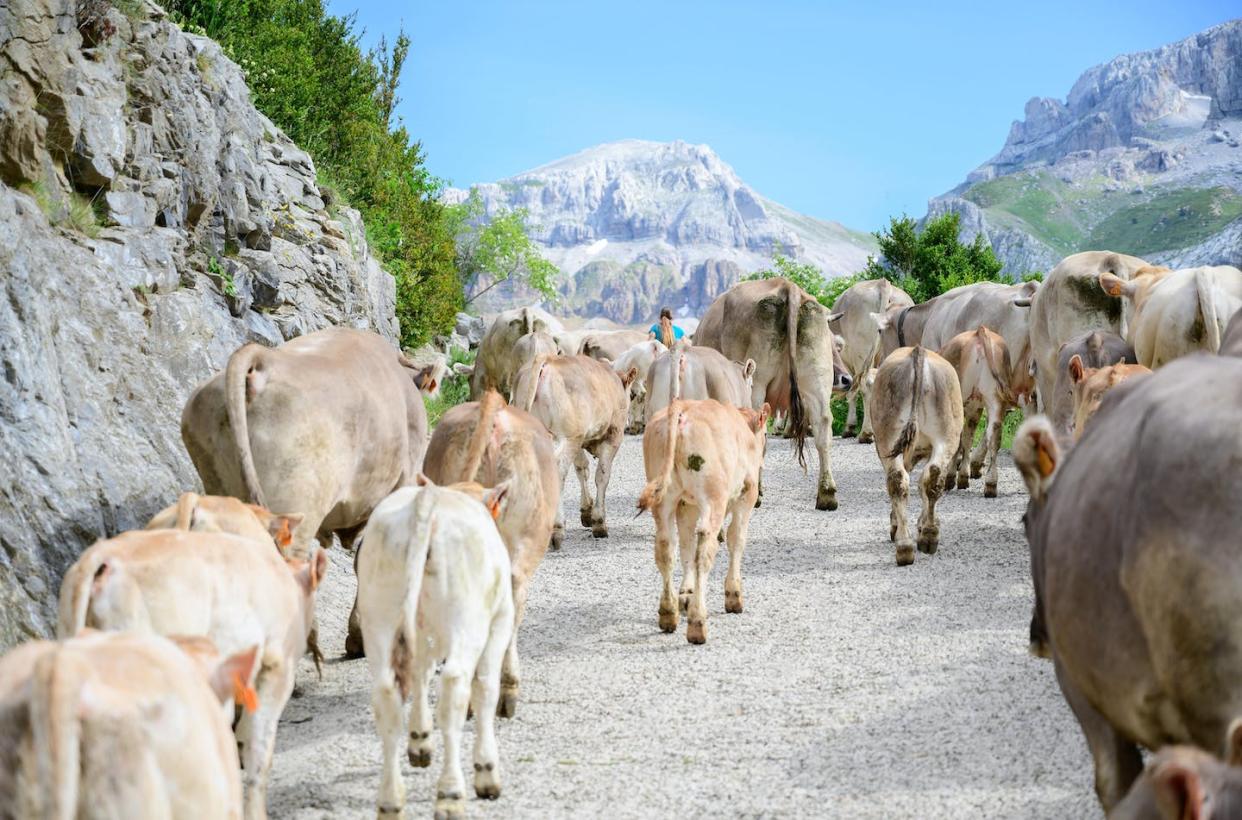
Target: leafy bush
x: 308, y: 73
x: 806, y: 276
x: 496, y: 249
x: 929, y: 262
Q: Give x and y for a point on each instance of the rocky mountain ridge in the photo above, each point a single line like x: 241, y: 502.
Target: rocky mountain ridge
x: 1143, y: 156
x: 634, y: 225
x: 151, y: 221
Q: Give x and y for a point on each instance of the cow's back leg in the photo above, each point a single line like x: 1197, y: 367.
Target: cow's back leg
x: 851, y: 410
x: 1117, y: 761
x: 485, y: 697
x: 582, y: 466
x: 991, y: 440
x: 606, y: 452
x: 386, y: 704
x: 979, y: 452
x: 866, y: 433
x: 455, y: 682
x: 664, y: 520
x: 897, y: 482
x: 965, y: 467
x: 739, y: 525
x: 711, y: 503
x: 511, y: 673
x: 931, y: 487
x: 687, y: 515
x: 274, y: 685
x: 826, y: 493
x: 423, y: 667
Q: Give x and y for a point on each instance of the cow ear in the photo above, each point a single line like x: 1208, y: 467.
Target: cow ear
x: 281, y: 527
x: 629, y: 376
x: 1076, y: 369
x: 835, y: 317
x: 318, y: 568
x: 1116, y: 286
x: 421, y: 480
x: 231, y: 679
x: 748, y: 369
x: 1179, y: 791
x: 495, y: 497
x: 765, y: 413
x: 1036, y: 455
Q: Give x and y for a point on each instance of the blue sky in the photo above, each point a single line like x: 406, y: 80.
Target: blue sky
x: 846, y: 111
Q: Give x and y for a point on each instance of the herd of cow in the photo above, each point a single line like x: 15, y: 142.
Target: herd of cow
x: 179, y: 642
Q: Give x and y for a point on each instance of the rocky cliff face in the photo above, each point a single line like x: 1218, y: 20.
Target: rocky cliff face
x: 1143, y: 156
x: 634, y: 225
x: 151, y: 221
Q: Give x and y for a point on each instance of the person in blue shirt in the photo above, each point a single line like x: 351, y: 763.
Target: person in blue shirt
x: 665, y: 330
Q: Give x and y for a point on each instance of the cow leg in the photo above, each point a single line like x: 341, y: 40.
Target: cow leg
x: 669, y: 613
x: 387, y: 706
x: 931, y: 485
x: 454, y: 697
x: 273, y: 686
x: 511, y: 671
x: 582, y: 467
x: 419, y: 748
x: 687, y: 515
x: 826, y: 496
x: 958, y: 464
x: 558, y: 529
x: 355, y: 647
x: 711, y: 518
x: 866, y: 435
x: 603, y: 474
x: 991, y: 440
x: 851, y: 410
x: 976, y: 455
x: 898, y: 485
x: 1117, y: 761
x: 486, y: 696
x: 739, y: 525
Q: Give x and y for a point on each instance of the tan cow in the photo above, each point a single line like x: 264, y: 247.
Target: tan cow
x: 1231, y: 342
x: 435, y: 589
x: 533, y: 345
x: 225, y: 587
x: 1177, y: 312
x: 916, y: 407
x: 1095, y: 348
x: 1069, y: 304
x: 696, y: 372
x: 609, y: 345
x: 496, y: 366
x: 1090, y: 385
x: 495, y: 444
x: 860, y: 340
x: 327, y: 424
x: 220, y: 513
x: 585, y: 404
x: 702, y: 460
x: 1136, y: 570
x: 119, y: 725
x: 640, y: 357
x: 1182, y: 782
x: 981, y: 359
x: 798, y: 364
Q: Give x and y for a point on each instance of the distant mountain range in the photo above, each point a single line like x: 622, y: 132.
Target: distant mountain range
x: 1143, y: 156
x: 635, y: 225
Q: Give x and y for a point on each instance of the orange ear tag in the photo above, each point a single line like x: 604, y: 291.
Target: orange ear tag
x: 244, y: 695
x: 1045, y: 462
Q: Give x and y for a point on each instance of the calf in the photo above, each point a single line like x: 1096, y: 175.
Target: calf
x: 492, y: 443
x: 702, y: 460
x: 119, y: 725
x: 916, y: 411
x: 583, y: 403
x: 219, y: 513
x: 1182, y: 782
x: 171, y: 582
x: 640, y: 357
x: 698, y: 373
x: 533, y: 345
x: 434, y: 581
x: 1090, y: 385
x: 610, y: 345
x: 981, y: 359
x: 1095, y: 348
x: 1139, y: 592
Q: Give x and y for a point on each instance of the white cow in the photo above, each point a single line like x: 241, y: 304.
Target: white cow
x: 433, y: 579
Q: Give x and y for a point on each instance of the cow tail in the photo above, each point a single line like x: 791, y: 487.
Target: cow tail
x: 653, y: 493
x: 797, y: 411
x: 56, y: 730
x: 675, y: 374
x: 236, y: 376
x: 531, y: 387
x: 186, y: 505
x: 489, y: 406
x: 75, y: 592
x: 418, y: 546
x: 997, y: 369
x: 1207, y: 307
x: 917, y: 358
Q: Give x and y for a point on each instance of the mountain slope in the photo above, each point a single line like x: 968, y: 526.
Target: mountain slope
x: 1142, y: 157
x: 634, y: 224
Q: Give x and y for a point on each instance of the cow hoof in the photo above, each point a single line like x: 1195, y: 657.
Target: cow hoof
x: 848, y: 432
x: 1040, y: 649
x: 584, y: 515
x: 668, y: 621
x: 989, y: 491
x: 976, y: 471
x: 696, y: 632
x: 905, y: 555
x: 599, y: 530
x: 826, y: 499
x: 733, y: 602
x: 963, y: 483
x: 389, y: 812
x: 450, y: 807
x: 486, y: 785
x: 420, y: 757
x: 353, y: 645
x: 866, y: 438
x: 929, y: 539
x: 506, y: 704
x: 558, y: 538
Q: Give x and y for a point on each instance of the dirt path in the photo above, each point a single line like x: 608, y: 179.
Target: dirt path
x: 848, y: 688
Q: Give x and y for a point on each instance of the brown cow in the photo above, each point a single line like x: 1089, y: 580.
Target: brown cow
x: 1182, y: 782
x: 221, y: 513
x: 609, y: 345
x: 702, y: 460
x: 120, y: 725
x: 225, y: 587
x: 860, y: 340
x: 1095, y: 348
x: 492, y: 443
x: 916, y: 410
x: 1139, y: 594
x: 496, y: 366
x: 798, y: 363
x: 585, y: 404
x: 1090, y: 385
x: 981, y: 359
x: 696, y: 372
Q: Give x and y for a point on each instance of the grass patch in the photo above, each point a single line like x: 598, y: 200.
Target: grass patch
x: 1043, y: 202
x: 1168, y: 221
x: 454, y: 391
x: 72, y: 211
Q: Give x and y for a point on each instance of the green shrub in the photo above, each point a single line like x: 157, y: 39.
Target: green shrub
x: 71, y: 210
x: 929, y: 262
x: 454, y: 391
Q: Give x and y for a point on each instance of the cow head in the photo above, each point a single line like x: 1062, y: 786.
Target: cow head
x: 757, y: 420
x: 1089, y: 385
x: 229, y: 677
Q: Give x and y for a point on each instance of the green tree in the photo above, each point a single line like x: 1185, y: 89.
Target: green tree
x: 929, y: 262
x: 806, y: 276
x: 497, y: 249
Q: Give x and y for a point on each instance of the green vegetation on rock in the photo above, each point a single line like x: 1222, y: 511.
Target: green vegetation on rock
x: 1168, y: 221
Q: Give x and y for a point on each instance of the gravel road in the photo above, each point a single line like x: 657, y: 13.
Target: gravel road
x: 849, y: 687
